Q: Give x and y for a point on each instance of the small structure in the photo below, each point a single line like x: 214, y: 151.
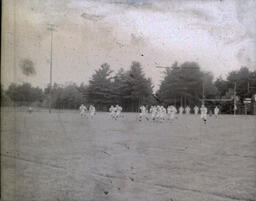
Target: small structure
x: 254, y: 104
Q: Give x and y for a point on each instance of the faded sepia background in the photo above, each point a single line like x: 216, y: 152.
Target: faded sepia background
x: 50, y: 152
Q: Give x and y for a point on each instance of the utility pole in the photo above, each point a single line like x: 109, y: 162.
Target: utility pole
x: 51, y: 28
x: 203, y: 92
x: 235, y: 99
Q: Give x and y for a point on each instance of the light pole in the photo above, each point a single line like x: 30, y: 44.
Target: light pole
x: 51, y: 28
x: 203, y: 96
x: 235, y: 99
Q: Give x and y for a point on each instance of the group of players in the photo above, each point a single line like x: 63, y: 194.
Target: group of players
x: 115, y: 112
x: 87, y: 113
x: 154, y: 113
x: 160, y: 113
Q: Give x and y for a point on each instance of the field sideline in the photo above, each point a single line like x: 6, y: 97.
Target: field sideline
x: 59, y: 156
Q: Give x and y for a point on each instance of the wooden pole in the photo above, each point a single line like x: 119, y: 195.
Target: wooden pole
x: 235, y: 99
x: 50, y: 98
x: 51, y: 29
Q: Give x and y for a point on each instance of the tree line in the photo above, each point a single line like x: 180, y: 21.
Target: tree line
x: 182, y: 85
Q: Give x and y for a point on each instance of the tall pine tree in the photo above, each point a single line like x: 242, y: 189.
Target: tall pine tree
x: 99, y: 91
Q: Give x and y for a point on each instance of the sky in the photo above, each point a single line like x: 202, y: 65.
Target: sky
x: 219, y: 35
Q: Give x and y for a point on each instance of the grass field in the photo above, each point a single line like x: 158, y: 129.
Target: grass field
x: 61, y: 157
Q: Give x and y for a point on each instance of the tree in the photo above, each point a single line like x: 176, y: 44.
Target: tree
x: 244, y: 79
x: 24, y: 94
x: 133, y: 87
x: 141, y: 87
x: 222, y: 87
x: 82, y: 90
x: 127, y: 88
x: 245, y: 83
x: 64, y: 96
x: 183, y: 85
x: 210, y: 89
x: 70, y: 97
x: 99, y: 91
x: 5, y: 100
x: 120, y: 87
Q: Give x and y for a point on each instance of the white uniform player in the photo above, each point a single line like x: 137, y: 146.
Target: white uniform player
x: 153, y: 112
x: 142, y: 114
x: 30, y: 109
x: 115, y: 112
x: 196, y: 110
x: 92, y: 111
x: 147, y: 113
x: 216, y: 111
x: 162, y: 113
x: 173, y: 112
x: 112, y: 111
x: 169, y: 112
x: 118, y: 111
x: 83, y: 110
x: 187, y: 109
x: 203, y: 111
x: 158, y: 112
x: 181, y: 110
